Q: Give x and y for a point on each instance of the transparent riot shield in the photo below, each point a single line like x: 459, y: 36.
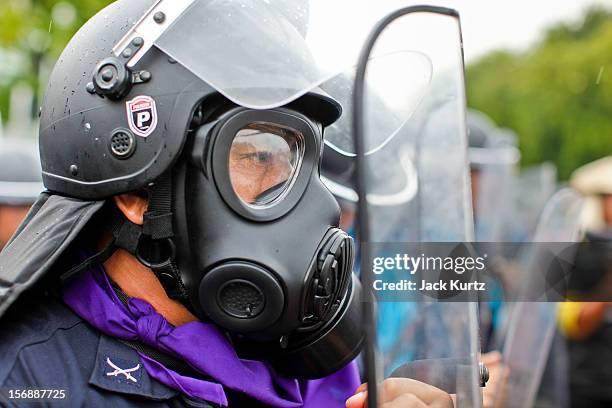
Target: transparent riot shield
x: 493, y: 157
x: 415, y: 189
x: 509, y: 207
x: 534, y: 187
x: 531, y: 327
x: 494, y: 170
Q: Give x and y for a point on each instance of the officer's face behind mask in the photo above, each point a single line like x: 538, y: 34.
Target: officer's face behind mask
x: 257, y: 242
x: 263, y: 161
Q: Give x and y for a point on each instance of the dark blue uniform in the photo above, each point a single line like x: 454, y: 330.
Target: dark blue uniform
x: 46, y: 346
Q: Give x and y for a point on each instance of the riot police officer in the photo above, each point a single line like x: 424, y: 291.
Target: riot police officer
x: 186, y: 251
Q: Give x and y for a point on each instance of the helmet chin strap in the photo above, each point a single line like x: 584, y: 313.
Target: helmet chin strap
x: 150, y: 243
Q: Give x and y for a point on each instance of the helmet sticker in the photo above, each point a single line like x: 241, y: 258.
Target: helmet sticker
x: 142, y: 115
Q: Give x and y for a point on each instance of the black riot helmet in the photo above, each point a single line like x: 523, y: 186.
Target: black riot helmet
x: 240, y: 227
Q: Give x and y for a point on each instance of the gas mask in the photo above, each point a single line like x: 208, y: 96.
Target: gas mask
x: 257, y: 241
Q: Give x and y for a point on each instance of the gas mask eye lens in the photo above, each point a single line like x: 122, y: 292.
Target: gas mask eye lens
x: 264, y: 160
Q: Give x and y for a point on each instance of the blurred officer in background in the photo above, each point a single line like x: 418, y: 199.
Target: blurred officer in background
x: 493, y: 166
x: 20, y: 183
x: 588, y: 325
x: 479, y: 127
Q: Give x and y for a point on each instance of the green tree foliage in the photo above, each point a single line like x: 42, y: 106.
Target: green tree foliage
x: 557, y: 96
x: 32, y: 35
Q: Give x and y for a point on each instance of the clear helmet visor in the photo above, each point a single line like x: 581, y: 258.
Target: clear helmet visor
x: 263, y: 54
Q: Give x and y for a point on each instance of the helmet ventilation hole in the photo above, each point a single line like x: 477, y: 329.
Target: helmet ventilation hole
x: 122, y: 144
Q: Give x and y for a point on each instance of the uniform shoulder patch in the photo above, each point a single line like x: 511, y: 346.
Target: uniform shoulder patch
x: 123, y: 370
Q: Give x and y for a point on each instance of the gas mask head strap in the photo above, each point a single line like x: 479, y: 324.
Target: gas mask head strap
x: 158, y: 232
x: 153, y: 238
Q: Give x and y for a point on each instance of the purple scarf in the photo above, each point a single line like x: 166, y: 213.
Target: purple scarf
x: 204, y: 347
